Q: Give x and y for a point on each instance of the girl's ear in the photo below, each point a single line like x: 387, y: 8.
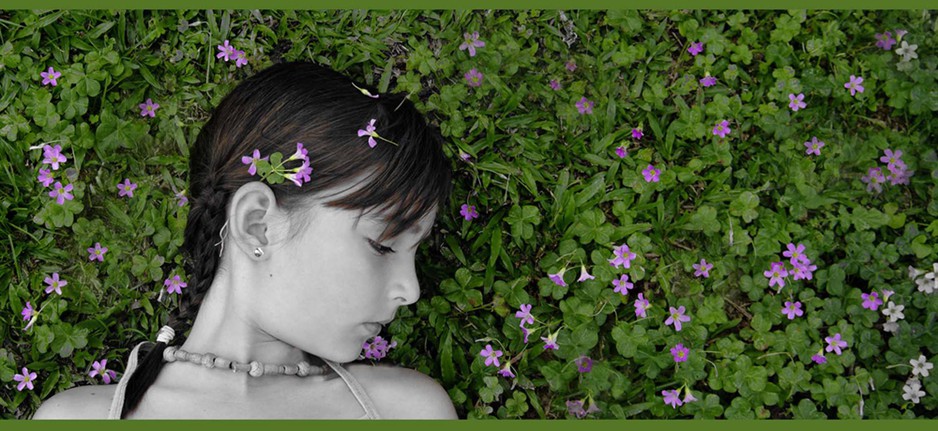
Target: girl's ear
x: 254, y: 217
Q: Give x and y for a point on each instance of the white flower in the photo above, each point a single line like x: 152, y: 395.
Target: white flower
x: 920, y: 366
x: 926, y: 284
x: 914, y: 273
x: 891, y: 327
x: 907, y: 51
x: 913, y: 391
x: 894, y: 312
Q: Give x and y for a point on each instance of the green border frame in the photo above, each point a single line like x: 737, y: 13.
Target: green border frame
x: 472, y: 4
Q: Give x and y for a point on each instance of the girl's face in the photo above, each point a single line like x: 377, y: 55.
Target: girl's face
x: 333, y: 286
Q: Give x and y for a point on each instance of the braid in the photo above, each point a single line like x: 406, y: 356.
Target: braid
x: 201, y: 260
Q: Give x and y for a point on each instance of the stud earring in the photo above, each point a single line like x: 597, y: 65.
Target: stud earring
x: 258, y: 252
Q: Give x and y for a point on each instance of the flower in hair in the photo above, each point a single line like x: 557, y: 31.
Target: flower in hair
x: 252, y: 160
x: 365, y: 92
x: 370, y: 132
x: 271, y: 168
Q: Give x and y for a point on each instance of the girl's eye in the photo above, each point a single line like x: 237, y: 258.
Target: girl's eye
x: 380, y: 249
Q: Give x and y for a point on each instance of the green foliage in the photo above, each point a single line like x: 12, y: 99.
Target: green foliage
x: 552, y: 193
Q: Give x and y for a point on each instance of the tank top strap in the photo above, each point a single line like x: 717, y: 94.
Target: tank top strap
x: 117, y: 403
x: 357, y: 390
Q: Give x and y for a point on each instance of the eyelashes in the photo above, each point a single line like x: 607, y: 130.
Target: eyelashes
x: 380, y: 249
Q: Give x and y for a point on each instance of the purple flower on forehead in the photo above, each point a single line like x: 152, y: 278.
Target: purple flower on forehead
x: 241, y: 58
x: 676, y: 317
x: 571, y: 65
x: 651, y: 174
x: 695, y: 48
x: 641, y: 306
x: 874, y: 180
x: 558, y: 277
x: 53, y: 156
x: 893, y: 160
x: 469, y: 212
x: 26, y: 380
x: 622, y: 285
x: 100, y: 369
x: 97, y: 252
x: 622, y: 152
x: 554, y: 84
x: 637, y: 133
x: 796, y: 102
x: 127, y: 188
x: 473, y: 77
x: 584, y: 106
x: 50, y: 76
x: 226, y: 51
x: 45, y: 177
x: 60, y: 193
x: 368, y: 131
x: 871, y: 301
x: 623, y: 257
x: 854, y: 85
x: 702, y: 269
x: 471, y: 42
x: 885, y: 40
x: 491, y: 356
x: 722, y: 129
x: 834, y: 344
x: 252, y: 160
x: 792, y: 309
x: 672, y: 397
x: 55, y: 284
x: 174, y: 285
x: 814, y: 146
x: 149, y: 108
x: 584, y: 364
x: 708, y: 81
x: 525, y: 315
x: 679, y: 352
x: 584, y: 275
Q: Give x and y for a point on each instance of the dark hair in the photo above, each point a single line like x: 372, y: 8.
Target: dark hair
x: 272, y: 111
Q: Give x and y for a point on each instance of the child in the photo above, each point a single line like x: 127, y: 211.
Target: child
x: 292, y: 264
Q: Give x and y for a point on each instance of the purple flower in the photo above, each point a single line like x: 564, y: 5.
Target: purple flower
x: 45, y: 177
x: 885, y: 40
x: 585, y: 106
x: 814, y: 146
x: 241, y: 58
x: 55, y: 284
x: 622, y: 257
x: 672, y: 397
x: 777, y: 274
x: 575, y: 407
x: 796, y: 102
x: 803, y: 271
x: 26, y: 380
x: 473, y: 77
x: 702, y: 269
x: 622, y: 152
x: 854, y: 85
x: 377, y: 348
x: 651, y: 174
x: 49, y: 77
x: 792, y: 309
x: 796, y: 254
x: 818, y: 358
x: 471, y: 42
x: 550, y: 341
x: 676, y: 317
x: 174, y: 285
x: 369, y: 131
x: 871, y: 301
x: 641, y: 306
x: 149, y: 108
x: 900, y: 33
x: 226, y: 51
x: 490, y: 355
x: 584, y: 364
x: 695, y: 48
x: 899, y: 176
x: 27, y: 311
x: 464, y: 156
x: 834, y: 344
x: 182, y: 199
x: 127, y: 188
x: 688, y: 397
x: 893, y: 160
x: 708, y: 81
x: 571, y: 65
x: 526, y: 333
x: 874, y: 180
x: 525, y: 315
x: 722, y: 129
x: 558, y: 277
x: 53, y: 156
x: 679, y: 352
x: 100, y: 369
x: 506, y: 371
x: 554, y: 84
x: 469, y: 212
x: 60, y: 193
x: 252, y: 159
x: 637, y: 133
x: 622, y: 285
x: 584, y: 275
x: 97, y: 252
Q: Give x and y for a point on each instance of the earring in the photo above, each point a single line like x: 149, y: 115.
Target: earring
x: 258, y: 252
x: 223, y: 234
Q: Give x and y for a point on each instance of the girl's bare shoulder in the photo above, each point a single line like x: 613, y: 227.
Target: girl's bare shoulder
x: 82, y: 402
x: 403, y: 393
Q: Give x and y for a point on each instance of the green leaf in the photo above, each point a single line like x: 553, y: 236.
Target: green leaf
x: 705, y: 220
x: 745, y: 206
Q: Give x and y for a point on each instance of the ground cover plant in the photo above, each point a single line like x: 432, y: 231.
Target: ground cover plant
x: 657, y: 214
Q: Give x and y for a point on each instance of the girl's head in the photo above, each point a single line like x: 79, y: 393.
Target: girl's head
x: 387, y: 195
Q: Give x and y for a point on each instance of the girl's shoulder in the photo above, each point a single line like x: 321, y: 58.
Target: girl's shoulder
x: 403, y: 393
x: 82, y: 402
